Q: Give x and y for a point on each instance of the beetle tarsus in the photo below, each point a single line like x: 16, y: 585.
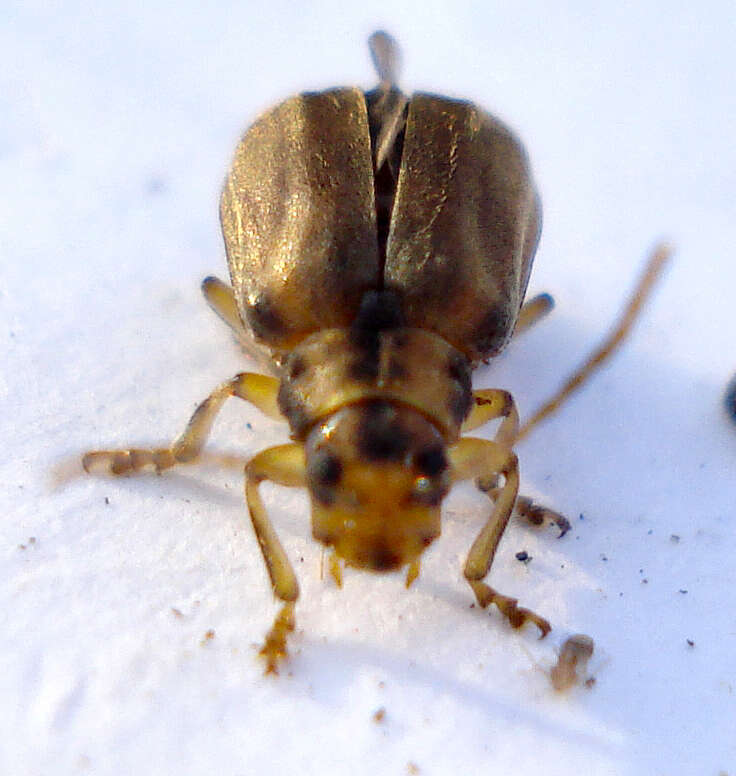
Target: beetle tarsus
x: 274, y: 648
x: 537, y: 514
x: 516, y: 615
x: 121, y: 462
x: 525, y: 508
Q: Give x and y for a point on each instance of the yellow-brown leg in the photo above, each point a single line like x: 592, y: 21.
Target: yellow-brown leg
x: 257, y: 389
x: 221, y: 298
x: 488, y: 405
x: 283, y: 465
x: 473, y: 458
x: 532, y: 312
x: 528, y: 509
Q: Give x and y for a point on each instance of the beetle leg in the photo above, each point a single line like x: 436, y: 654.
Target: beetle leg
x: 526, y: 508
x: 532, y: 312
x: 481, y: 458
x: 283, y: 465
x: 257, y: 389
x: 489, y: 404
x: 221, y: 298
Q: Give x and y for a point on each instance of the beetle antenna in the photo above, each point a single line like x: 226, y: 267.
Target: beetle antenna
x: 651, y: 273
x: 386, y: 57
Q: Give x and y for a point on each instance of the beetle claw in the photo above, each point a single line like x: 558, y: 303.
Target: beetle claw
x: 274, y: 648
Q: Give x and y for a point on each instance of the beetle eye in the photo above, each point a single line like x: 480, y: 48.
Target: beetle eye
x: 431, y: 461
x: 426, y: 492
x: 326, y: 469
x: 324, y: 472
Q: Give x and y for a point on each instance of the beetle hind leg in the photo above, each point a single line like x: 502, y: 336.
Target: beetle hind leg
x: 480, y: 458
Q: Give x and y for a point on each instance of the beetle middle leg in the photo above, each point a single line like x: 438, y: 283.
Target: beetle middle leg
x: 259, y: 390
x: 473, y: 458
x: 283, y: 465
x: 532, y: 312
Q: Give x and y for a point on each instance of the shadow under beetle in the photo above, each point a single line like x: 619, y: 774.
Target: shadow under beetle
x: 379, y: 249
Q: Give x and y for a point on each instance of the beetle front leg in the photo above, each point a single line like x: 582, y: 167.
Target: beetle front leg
x: 283, y: 465
x: 259, y: 390
x: 489, y: 404
x: 492, y: 403
x: 474, y: 458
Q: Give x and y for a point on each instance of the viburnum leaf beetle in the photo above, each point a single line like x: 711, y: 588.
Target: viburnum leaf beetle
x: 379, y: 249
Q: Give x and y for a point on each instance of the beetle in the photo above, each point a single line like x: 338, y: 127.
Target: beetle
x: 379, y: 249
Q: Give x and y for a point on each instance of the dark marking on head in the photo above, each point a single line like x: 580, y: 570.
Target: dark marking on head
x: 431, y: 461
x: 493, y: 331
x: 324, y: 471
x: 264, y: 319
x: 382, y: 557
x: 381, y: 436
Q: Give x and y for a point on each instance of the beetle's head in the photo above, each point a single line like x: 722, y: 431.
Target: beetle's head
x: 377, y: 473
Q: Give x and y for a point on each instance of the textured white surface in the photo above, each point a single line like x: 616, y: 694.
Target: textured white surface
x: 117, y: 122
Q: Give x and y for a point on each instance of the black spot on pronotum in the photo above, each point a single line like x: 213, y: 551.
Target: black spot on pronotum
x: 365, y: 368
x: 379, y: 311
x: 459, y: 370
x: 264, y: 319
x: 461, y: 392
x: 381, y: 437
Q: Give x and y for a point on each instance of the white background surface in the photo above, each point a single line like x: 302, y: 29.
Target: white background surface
x: 117, y: 122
